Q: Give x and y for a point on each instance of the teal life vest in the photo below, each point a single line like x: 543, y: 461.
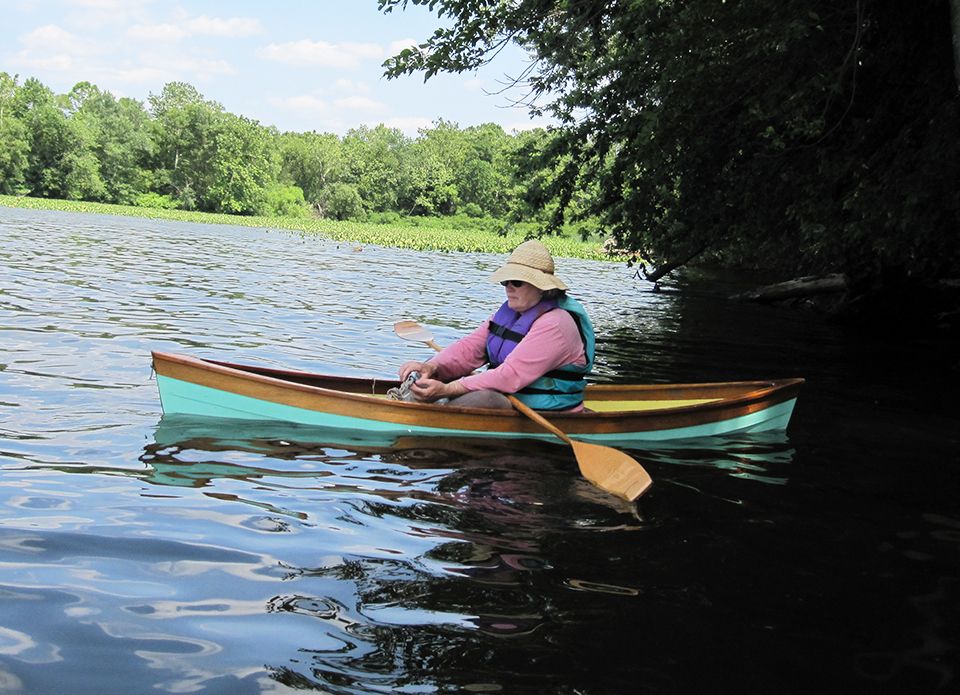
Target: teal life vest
x: 558, y: 389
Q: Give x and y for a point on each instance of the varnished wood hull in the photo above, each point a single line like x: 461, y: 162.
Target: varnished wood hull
x: 626, y: 414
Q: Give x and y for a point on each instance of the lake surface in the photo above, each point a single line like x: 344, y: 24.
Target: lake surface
x: 143, y: 554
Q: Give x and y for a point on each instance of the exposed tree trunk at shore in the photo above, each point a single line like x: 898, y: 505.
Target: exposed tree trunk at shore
x: 661, y: 270
x: 798, y: 288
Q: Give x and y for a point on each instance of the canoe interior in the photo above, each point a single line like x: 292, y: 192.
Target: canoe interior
x: 346, y: 384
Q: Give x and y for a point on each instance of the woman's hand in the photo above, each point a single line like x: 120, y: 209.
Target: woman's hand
x: 426, y: 369
x: 429, y: 390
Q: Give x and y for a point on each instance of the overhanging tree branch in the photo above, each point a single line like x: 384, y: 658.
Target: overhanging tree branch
x: 664, y: 269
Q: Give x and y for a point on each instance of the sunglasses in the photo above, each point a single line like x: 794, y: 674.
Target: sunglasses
x: 513, y: 283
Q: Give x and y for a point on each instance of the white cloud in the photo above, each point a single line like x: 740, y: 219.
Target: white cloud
x: 52, y: 48
x: 150, y: 76
x: 312, y: 53
x: 100, y: 4
x: 50, y: 38
x: 152, y: 69
x: 95, y: 15
x: 302, y: 102
x: 52, y: 62
x: 185, y: 65
x: 352, y: 87
x: 156, y: 32
x: 24, y: 5
x: 353, y: 97
x: 238, y: 53
x: 233, y: 27
x: 358, y: 103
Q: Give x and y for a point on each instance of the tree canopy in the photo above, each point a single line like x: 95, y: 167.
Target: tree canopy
x: 801, y: 135
x: 184, y: 151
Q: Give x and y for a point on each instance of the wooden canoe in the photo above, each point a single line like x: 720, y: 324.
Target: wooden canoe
x: 620, y: 415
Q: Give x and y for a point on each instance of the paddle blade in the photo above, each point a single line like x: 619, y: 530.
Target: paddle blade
x: 612, y: 470
x: 411, y: 330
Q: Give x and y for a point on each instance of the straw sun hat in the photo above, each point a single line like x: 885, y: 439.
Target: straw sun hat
x: 530, y: 262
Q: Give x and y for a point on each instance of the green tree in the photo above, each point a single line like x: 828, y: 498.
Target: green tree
x: 121, y: 140
x: 485, y: 175
x: 61, y: 163
x: 373, y: 161
x: 448, y: 168
x: 800, y: 135
x: 311, y: 161
x: 185, y: 127
x: 243, y: 165
x: 285, y: 201
x: 341, y: 201
x: 177, y: 95
x: 429, y: 184
x: 14, y: 145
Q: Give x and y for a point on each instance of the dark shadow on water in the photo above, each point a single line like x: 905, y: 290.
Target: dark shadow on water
x: 514, y: 576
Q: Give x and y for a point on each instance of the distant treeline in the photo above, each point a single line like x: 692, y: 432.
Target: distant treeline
x: 184, y: 151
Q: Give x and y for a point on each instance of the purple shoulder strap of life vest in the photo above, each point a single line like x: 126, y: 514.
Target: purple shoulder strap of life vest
x: 507, y: 329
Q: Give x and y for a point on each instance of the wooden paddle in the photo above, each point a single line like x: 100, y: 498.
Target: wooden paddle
x: 607, y: 468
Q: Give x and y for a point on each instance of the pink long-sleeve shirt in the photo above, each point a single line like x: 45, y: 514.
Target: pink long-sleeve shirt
x: 553, y: 341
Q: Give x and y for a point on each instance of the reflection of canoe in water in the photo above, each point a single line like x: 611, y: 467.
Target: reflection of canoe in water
x: 192, y: 451
x: 281, y: 441
x: 620, y: 414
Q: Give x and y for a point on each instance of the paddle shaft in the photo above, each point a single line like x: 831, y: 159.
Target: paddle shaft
x: 538, y: 418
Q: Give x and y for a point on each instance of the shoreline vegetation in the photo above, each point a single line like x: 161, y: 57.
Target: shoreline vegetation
x: 181, y: 156
x: 458, y: 233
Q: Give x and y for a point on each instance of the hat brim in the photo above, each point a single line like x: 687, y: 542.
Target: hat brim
x: 537, y: 278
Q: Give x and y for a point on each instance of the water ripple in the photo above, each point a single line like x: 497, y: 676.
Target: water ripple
x: 141, y: 552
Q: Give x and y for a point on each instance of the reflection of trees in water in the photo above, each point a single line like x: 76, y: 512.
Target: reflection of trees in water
x: 677, y: 335
x: 633, y: 344
x: 485, y: 610
x: 691, y: 333
x: 436, y: 618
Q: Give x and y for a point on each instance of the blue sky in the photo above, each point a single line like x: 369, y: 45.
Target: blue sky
x: 297, y: 65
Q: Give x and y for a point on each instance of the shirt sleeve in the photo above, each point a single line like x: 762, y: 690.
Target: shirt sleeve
x: 553, y: 341
x: 465, y: 355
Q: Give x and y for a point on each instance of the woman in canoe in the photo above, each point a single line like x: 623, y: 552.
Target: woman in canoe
x: 539, y: 345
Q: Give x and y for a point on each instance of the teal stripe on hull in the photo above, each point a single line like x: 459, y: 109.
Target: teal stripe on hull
x: 184, y: 398
x: 774, y: 418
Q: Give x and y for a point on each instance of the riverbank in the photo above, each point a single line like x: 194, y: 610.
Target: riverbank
x: 419, y: 233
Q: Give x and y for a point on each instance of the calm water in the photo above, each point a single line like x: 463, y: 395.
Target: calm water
x: 141, y: 554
